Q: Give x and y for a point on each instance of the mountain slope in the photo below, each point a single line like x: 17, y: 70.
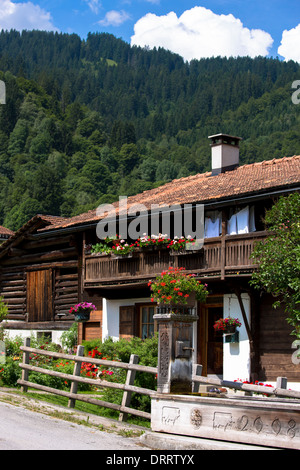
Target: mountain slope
x: 87, y: 121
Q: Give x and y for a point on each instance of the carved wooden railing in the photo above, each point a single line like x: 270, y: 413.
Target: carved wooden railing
x: 219, y: 257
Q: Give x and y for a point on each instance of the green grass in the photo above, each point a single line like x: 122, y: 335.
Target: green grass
x: 87, y: 407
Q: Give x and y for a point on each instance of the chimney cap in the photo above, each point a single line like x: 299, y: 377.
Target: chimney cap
x: 221, y: 138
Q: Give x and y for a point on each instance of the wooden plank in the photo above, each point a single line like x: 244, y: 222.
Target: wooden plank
x: 247, y: 387
x: 130, y: 377
x: 25, y: 372
x: 76, y: 372
x: 93, y: 401
x: 102, y: 362
x: 85, y: 380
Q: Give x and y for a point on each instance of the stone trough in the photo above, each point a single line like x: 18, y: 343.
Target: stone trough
x: 271, y: 422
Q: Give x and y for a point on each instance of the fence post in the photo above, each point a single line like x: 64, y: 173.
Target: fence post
x: 25, y: 372
x: 134, y: 359
x: 76, y: 372
x: 197, y: 370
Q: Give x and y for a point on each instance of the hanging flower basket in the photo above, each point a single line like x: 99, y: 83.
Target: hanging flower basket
x: 227, y: 325
x: 82, y: 311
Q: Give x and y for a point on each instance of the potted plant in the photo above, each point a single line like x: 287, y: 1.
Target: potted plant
x: 175, y: 288
x: 123, y: 249
x: 227, y: 325
x: 152, y: 242
x: 180, y: 245
x: 101, y: 248
x: 82, y: 311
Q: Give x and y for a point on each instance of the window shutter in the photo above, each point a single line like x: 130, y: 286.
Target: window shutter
x: 126, y: 322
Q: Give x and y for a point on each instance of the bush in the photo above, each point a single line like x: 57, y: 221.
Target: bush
x: 146, y: 349
x: 10, y: 372
x: 69, y: 338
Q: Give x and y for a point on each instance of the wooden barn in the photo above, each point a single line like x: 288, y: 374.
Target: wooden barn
x: 48, y: 265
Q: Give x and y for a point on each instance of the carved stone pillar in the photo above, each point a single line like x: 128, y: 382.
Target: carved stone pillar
x: 175, y: 347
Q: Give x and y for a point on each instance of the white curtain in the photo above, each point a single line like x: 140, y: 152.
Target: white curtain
x: 213, y: 224
x: 242, y: 221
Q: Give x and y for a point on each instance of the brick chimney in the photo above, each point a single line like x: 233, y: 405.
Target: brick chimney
x: 225, y: 152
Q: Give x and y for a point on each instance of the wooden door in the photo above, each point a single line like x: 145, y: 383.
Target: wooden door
x: 210, y: 343
x: 40, y: 296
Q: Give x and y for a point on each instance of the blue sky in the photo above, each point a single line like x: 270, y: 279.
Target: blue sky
x: 192, y: 28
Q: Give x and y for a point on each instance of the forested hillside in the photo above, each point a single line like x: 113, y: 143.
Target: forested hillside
x: 88, y: 120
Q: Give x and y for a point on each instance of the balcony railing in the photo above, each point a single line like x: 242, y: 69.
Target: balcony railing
x: 220, y: 257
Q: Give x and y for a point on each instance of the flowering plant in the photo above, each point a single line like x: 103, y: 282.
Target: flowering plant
x: 122, y: 248
x: 119, y: 246
x: 83, y: 306
x: 224, y: 324
x: 179, y: 244
x: 175, y: 287
x: 153, y: 240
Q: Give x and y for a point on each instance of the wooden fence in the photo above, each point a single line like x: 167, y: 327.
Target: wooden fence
x: 279, y: 391
x: 128, y: 388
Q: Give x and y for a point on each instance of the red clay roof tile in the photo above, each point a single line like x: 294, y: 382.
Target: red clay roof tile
x: 203, y: 188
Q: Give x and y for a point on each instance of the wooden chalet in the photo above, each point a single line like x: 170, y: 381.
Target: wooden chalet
x: 47, y: 266
x: 39, y: 278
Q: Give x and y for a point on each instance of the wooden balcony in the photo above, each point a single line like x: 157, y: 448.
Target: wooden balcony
x: 220, y: 258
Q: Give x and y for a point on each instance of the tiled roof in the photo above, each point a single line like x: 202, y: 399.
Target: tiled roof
x: 5, y: 231
x: 36, y: 221
x: 204, y: 188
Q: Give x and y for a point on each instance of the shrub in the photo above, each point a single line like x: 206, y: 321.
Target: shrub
x: 146, y: 349
x: 69, y: 338
x: 10, y: 372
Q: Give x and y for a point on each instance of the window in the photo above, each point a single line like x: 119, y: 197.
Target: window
x: 147, y: 322
x: 44, y: 336
x: 242, y: 221
x: 212, y: 224
x: 137, y: 320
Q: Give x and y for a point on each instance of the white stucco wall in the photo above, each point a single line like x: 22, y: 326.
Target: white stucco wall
x: 56, y: 335
x: 236, y: 356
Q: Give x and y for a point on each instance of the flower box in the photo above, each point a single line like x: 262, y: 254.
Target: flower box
x: 82, y: 315
x: 233, y: 337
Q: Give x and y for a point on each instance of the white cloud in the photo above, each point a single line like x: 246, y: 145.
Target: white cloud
x: 201, y: 33
x: 94, y: 5
x: 290, y: 44
x: 114, y: 18
x: 26, y: 15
